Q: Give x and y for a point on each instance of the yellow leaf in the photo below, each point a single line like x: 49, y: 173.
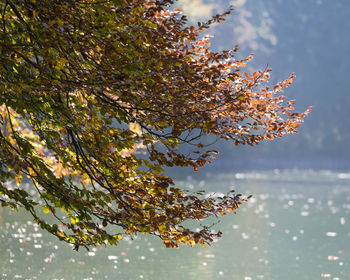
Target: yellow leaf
x: 18, y: 180
x: 191, y: 242
x: 61, y: 234
x: 74, y: 220
x: 46, y: 209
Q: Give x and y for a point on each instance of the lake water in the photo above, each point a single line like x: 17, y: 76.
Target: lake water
x: 296, y: 226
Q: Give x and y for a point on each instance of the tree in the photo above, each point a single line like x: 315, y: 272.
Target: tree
x: 98, y: 96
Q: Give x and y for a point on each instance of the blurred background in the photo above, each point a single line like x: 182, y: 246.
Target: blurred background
x: 307, y: 37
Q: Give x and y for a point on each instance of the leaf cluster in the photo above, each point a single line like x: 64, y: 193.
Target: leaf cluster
x: 98, y: 96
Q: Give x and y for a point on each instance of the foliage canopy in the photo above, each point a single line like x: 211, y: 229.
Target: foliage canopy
x: 97, y: 97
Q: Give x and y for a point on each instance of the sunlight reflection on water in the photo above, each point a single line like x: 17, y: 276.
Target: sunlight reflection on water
x: 294, y: 227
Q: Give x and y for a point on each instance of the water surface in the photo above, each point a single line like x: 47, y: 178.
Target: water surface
x: 296, y: 226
